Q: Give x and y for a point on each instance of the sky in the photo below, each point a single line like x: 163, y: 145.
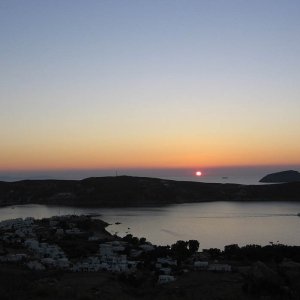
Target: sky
x: 149, y: 84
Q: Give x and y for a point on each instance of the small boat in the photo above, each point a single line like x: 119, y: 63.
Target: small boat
x: 298, y: 214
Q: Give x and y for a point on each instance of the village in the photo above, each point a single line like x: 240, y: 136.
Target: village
x: 71, y: 255
x: 81, y: 244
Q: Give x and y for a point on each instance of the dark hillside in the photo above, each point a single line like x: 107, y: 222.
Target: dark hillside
x: 137, y: 191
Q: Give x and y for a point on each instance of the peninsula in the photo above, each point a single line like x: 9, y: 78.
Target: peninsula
x: 122, y: 191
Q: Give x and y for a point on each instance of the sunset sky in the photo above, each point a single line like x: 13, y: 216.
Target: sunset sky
x: 150, y: 84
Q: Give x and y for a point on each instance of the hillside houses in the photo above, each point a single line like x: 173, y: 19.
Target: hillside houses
x: 41, y: 254
x: 18, y: 257
x: 15, y: 230
x: 71, y: 243
x: 18, y: 223
x: 111, y: 256
x: 44, y: 250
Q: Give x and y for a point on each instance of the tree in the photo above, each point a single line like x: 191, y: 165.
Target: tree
x: 231, y: 251
x: 128, y: 238
x: 193, y: 246
x: 180, y: 250
x: 142, y: 240
x: 213, y: 252
x: 131, y: 239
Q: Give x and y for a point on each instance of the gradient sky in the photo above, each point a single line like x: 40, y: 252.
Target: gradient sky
x: 104, y: 84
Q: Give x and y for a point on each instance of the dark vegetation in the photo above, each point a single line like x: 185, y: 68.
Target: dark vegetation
x: 273, y: 253
x: 125, y: 191
x: 259, y: 272
x: 270, y: 253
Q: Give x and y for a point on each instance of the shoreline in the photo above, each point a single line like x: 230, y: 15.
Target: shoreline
x: 68, y: 256
x: 238, y: 222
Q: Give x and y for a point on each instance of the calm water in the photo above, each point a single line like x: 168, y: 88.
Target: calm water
x: 213, y: 224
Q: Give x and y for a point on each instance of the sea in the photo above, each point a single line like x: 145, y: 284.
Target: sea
x: 240, y: 175
x: 213, y: 224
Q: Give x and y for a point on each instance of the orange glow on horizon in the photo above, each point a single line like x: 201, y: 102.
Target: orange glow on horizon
x: 180, y: 152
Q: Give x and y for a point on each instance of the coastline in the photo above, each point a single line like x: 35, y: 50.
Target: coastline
x: 127, y: 191
x: 214, y: 223
x: 73, y: 257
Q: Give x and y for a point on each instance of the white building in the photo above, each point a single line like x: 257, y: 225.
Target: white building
x: 13, y: 257
x: 165, y: 279
x: 147, y: 247
x: 63, y: 263
x: 94, y: 238
x: 31, y: 244
x: 16, y: 223
x: 219, y: 268
x: 44, y: 250
x: 135, y: 253
x: 91, y: 264
x: 165, y: 271
x: 200, y: 265
x: 73, y: 231
x: 167, y: 261
x: 35, y: 265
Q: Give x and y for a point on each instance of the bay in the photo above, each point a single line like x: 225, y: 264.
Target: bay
x: 213, y: 224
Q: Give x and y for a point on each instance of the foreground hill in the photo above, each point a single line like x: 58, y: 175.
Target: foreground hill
x: 137, y: 191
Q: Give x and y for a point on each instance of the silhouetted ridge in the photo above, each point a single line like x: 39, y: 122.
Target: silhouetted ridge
x: 124, y: 191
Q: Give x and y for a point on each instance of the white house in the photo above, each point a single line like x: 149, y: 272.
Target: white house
x: 167, y: 261
x: 13, y: 257
x: 63, y: 263
x: 31, y: 244
x: 16, y: 223
x: 200, y: 265
x: 165, y: 271
x: 147, y: 247
x: 73, y: 231
x: 105, y: 249
x: 219, y: 268
x: 94, y: 238
x: 165, y: 279
x: 135, y: 253
x: 35, y: 265
x: 48, y: 261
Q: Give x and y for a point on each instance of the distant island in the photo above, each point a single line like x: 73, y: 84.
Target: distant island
x: 284, y: 176
x: 125, y: 191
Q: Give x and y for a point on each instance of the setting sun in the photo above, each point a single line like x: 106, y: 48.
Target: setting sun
x: 198, y: 173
